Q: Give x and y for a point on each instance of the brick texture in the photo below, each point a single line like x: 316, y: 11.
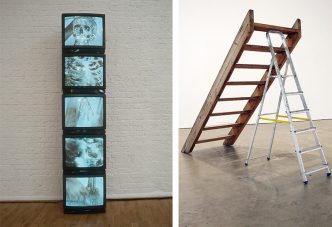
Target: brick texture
x: 139, y: 96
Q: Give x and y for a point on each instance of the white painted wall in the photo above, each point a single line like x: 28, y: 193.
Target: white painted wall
x: 207, y: 29
x: 139, y: 147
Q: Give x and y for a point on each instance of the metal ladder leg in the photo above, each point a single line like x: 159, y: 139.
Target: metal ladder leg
x: 282, y: 88
x: 276, y: 117
x: 259, y: 113
x: 312, y: 125
x: 283, y: 95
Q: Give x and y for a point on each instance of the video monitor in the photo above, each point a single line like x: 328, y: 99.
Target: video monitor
x: 83, y: 111
x: 84, y: 152
x: 83, y: 71
x: 84, y: 193
x: 83, y: 31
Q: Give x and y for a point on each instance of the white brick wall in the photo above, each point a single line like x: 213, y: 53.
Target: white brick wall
x: 138, y: 41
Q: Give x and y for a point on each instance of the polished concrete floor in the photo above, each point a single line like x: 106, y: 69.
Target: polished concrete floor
x: 216, y: 189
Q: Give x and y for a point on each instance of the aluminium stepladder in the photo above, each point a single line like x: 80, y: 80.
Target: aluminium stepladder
x: 283, y: 96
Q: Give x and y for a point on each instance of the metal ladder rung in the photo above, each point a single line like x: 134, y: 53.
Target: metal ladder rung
x: 316, y: 170
x: 310, y: 149
x: 295, y: 93
x: 305, y: 130
x: 264, y: 114
x: 299, y: 111
x: 282, y: 76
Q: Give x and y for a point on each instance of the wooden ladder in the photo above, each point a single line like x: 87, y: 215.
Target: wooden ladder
x: 239, y: 45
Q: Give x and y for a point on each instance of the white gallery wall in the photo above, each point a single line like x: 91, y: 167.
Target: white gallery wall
x: 139, y: 100
x: 207, y: 29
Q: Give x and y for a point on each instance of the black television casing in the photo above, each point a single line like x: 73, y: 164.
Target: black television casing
x: 82, y: 48
x: 83, y: 169
x: 83, y: 130
x: 84, y: 209
x: 83, y: 88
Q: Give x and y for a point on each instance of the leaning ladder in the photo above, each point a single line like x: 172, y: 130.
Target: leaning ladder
x: 224, y: 77
x: 283, y: 96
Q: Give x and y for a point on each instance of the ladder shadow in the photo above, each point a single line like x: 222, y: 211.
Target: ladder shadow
x: 221, y: 156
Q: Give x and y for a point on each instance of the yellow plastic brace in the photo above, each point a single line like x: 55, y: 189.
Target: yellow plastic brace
x: 282, y: 121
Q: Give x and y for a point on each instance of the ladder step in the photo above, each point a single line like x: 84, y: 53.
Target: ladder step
x: 282, y: 76
x: 310, y: 149
x: 295, y: 93
x: 230, y: 113
x: 299, y: 111
x: 267, y: 114
x: 259, y: 48
x: 239, y: 98
x: 267, y: 27
x: 251, y: 66
x: 305, y: 130
x: 221, y: 126
x: 214, y: 139
x: 316, y: 169
x: 245, y: 83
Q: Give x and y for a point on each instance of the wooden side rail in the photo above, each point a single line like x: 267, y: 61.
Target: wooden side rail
x: 234, y: 54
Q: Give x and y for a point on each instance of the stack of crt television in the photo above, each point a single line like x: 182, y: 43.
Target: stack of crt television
x: 83, y: 112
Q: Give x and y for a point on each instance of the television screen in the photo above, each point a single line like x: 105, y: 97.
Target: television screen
x: 84, y: 71
x: 84, y: 111
x: 83, y: 30
x: 84, y: 151
x: 84, y: 192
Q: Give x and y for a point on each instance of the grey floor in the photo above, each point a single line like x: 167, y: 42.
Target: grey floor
x: 216, y: 189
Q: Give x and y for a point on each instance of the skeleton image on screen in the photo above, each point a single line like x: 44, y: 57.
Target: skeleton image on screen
x: 84, y: 152
x: 83, y: 71
x: 83, y: 31
x: 83, y: 112
x: 84, y: 191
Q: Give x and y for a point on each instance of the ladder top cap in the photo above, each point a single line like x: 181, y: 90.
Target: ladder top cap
x: 296, y: 28
x: 267, y: 27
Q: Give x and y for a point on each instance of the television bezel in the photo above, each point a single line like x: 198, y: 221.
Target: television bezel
x: 84, y: 209
x: 83, y: 169
x: 78, y: 129
x: 82, y: 88
x: 82, y: 48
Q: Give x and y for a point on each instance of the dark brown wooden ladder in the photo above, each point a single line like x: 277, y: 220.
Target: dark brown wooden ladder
x: 239, y: 45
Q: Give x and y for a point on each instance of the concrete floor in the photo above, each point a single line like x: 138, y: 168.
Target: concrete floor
x: 216, y: 189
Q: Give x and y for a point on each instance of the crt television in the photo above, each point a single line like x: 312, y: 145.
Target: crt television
x: 83, y: 153
x: 83, y: 111
x: 83, y: 71
x: 84, y: 193
x: 83, y: 32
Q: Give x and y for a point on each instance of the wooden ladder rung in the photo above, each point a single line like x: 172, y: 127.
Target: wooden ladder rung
x: 230, y: 113
x: 251, y: 66
x: 238, y: 98
x: 258, y: 48
x: 214, y: 139
x: 221, y: 126
x: 266, y: 27
x: 245, y: 83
